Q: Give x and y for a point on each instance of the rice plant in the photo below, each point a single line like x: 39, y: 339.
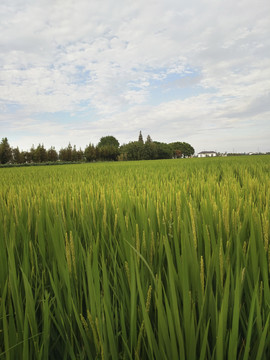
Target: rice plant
x: 136, y: 260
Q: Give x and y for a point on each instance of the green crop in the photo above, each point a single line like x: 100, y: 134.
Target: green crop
x: 136, y: 260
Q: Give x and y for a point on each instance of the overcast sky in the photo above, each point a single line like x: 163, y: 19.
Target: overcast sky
x: 180, y: 70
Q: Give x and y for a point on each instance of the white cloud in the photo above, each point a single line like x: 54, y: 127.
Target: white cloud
x: 124, y: 63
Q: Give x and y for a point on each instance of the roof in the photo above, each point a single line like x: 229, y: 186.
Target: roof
x: 207, y: 152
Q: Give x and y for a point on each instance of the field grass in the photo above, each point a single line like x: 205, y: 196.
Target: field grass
x: 136, y: 260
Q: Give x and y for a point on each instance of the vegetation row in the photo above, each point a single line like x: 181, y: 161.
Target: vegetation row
x: 108, y: 149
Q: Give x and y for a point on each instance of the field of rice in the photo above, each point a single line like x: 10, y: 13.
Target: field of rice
x: 136, y: 260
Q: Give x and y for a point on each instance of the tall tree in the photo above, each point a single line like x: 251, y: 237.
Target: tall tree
x: 164, y: 151
x: 18, y: 157
x: 65, y: 154
x: 140, y: 139
x: 5, y: 151
x: 52, y: 154
x: 182, y: 147
x: 108, y: 141
x: 90, y: 153
x: 108, y: 148
x: 148, y: 139
x: 41, y: 153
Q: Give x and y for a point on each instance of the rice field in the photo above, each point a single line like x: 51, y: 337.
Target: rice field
x: 136, y: 260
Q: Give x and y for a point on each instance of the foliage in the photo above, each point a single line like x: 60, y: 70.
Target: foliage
x: 5, y: 151
x: 17, y: 156
x: 108, y: 141
x: 140, y: 139
x: 107, y: 150
x: 182, y: 148
x: 176, y: 266
x: 108, y: 153
x: 52, y: 154
x: 164, y: 151
x: 150, y: 150
x: 90, y: 153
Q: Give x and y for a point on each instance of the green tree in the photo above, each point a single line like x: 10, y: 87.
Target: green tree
x: 140, y: 139
x: 148, y: 139
x: 5, y: 151
x: 90, y: 153
x: 164, y: 151
x: 182, y: 147
x: 32, y: 154
x: 108, y: 141
x: 108, y: 148
x: 18, y: 157
x: 108, y: 153
x: 149, y: 151
x: 52, y: 154
x: 27, y: 156
x: 65, y: 154
x: 133, y: 150
x: 74, y: 154
x: 80, y: 155
x: 41, y: 154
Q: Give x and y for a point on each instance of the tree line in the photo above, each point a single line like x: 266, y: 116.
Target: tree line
x: 108, y: 149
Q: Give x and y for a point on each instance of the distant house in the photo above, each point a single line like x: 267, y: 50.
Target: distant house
x: 207, y: 154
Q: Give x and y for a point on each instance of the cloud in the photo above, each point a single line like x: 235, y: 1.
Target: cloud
x: 172, y: 68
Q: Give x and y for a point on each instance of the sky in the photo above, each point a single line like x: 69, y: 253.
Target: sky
x: 179, y: 70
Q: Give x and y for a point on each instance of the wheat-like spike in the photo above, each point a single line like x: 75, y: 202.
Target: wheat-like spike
x: 148, y: 298
x: 72, y: 251
x: 68, y: 255
x: 126, y: 221
x: 92, y: 324
x: 127, y: 272
x: 100, y: 340
x: 138, y: 347
x: 265, y: 227
x: 152, y: 248
x: 221, y: 263
x: 202, y: 274
x: 85, y: 325
x: 193, y: 225
x: 138, y: 247
x: 115, y: 223
x: 144, y: 242
x: 243, y: 275
x: 245, y: 247
x: 147, y: 307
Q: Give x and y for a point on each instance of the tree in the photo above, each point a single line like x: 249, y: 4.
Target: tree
x: 140, y: 139
x: 74, y: 154
x: 52, y: 154
x: 108, y: 148
x: 5, y: 151
x: 27, y: 156
x: 80, y: 155
x: 40, y: 153
x: 18, y: 157
x: 149, y: 151
x: 90, y: 153
x: 108, y: 153
x: 148, y: 139
x: 164, y: 151
x: 108, y: 141
x: 182, y: 147
x: 65, y: 154
x: 32, y: 154
x: 133, y: 150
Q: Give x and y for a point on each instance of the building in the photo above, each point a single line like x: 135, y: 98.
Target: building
x: 207, y: 154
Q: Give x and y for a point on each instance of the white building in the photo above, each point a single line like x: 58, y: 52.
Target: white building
x: 207, y: 154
